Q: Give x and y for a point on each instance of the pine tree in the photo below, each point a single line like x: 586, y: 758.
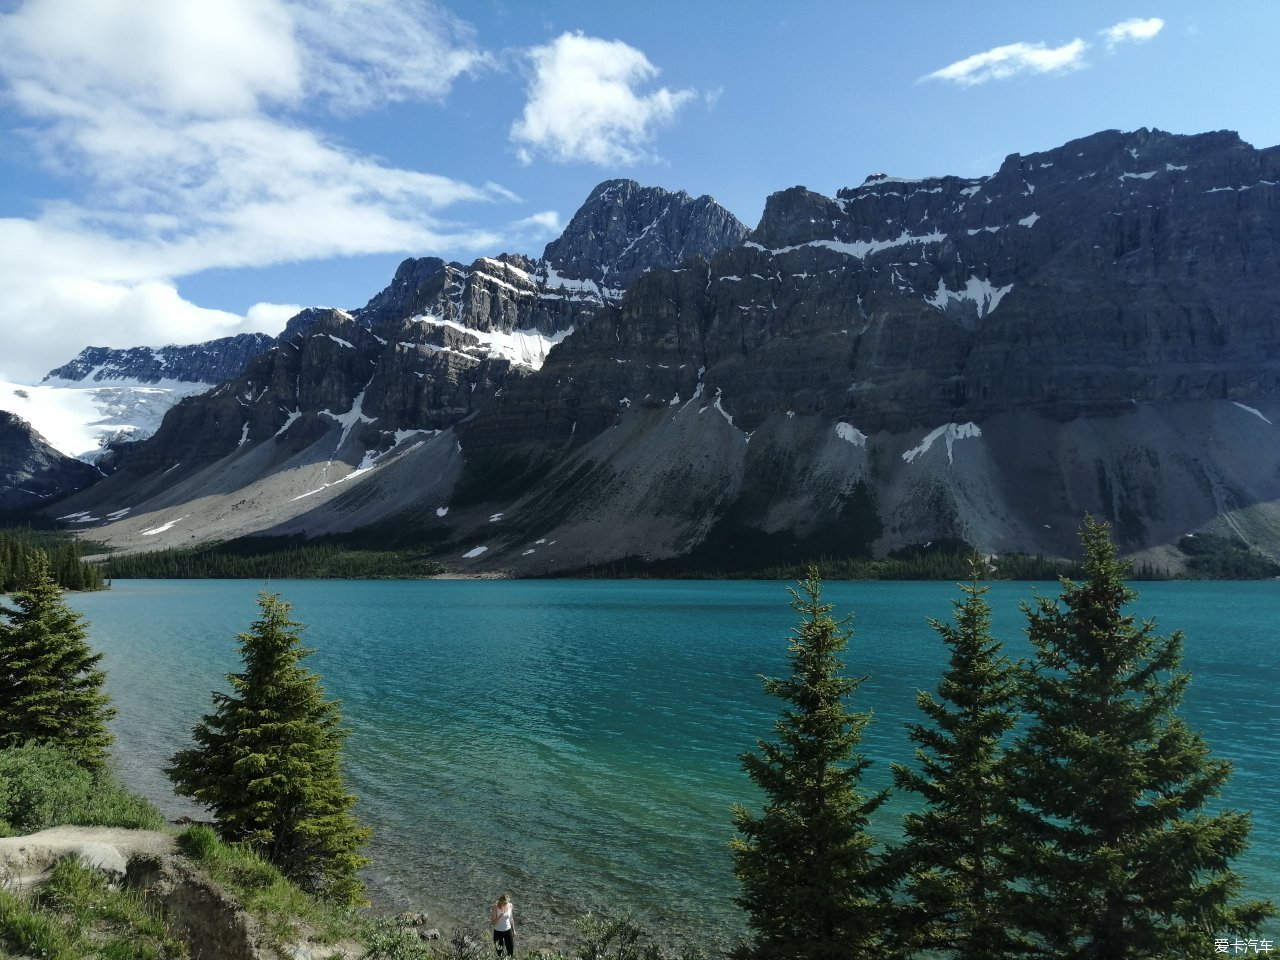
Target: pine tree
x: 268, y: 763
x: 51, y: 690
x: 811, y: 884
x: 1118, y: 858
x: 955, y: 857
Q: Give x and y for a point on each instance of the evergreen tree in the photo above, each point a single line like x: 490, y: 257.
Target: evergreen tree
x: 268, y: 763
x: 955, y: 857
x: 1118, y: 858
x: 811, y: 885
x: 50, y: 685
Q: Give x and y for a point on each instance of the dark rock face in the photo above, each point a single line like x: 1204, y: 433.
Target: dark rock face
x: 439, y: 343
x: 32, y: 473
x: 624, y: 229
x: 209, y: 362
x: 1117, y: 269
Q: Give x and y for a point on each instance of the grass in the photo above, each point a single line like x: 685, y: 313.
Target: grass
x: 78, y: 915
x: 276, y: 903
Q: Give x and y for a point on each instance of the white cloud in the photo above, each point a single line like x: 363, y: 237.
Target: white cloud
x: 366, y: 52
x: 999, y: 63
x: 547, y: 221
x: 185, y: 125
x: 1132, y: 30
x: 584, y: 103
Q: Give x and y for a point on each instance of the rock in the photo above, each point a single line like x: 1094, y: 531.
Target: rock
x: 624, y: 229
x: 27, y: 860
x: 210, y: 362
x: 102, y: 857
x: 32, y: 473
x: 411, y: 918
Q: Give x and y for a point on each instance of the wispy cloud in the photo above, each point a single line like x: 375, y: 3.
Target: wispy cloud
x: 1132, y: 31
x: 1000, y: 63
x: 585, y: 105
x: 187, y: 127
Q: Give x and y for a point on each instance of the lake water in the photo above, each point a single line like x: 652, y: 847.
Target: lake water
x: 576, y: 743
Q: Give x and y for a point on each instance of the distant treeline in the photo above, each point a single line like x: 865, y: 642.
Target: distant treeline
x: 914, y: 564
x: 352, y: 558
x: 19, y: 546
x: 272, y: 558
x: 1208, y: 557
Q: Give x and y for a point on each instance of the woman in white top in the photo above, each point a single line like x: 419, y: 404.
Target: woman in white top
x: 503, y: 922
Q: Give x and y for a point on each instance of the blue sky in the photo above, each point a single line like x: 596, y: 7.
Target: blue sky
x: 175, y: 170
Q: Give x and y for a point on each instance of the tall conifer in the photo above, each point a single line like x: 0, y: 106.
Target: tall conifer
x: 268, y: 763
x: 51, y: 690
x: 1119, y: 858
x: 955, y: 857
x: 811, y: 884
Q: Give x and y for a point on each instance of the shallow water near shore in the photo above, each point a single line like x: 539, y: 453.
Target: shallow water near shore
x: 576, y: 743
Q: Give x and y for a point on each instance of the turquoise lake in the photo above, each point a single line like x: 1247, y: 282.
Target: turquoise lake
x: 576, y: 743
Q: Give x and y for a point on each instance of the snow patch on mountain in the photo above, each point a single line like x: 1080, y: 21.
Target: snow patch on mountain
x: 950, y: 432
x: 162, y: 528
x: 526, y: 348
x: 860, y: 249
x: 1257, y: 413
x: 984, y: 293
x: 849, y: 433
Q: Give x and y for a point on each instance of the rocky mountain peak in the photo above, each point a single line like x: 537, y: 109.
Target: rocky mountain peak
x: 416, y: 280
x: 796, y: 215
x: 624, y: 228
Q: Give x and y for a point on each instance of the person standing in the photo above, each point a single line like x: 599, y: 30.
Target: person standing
x: 502, y: 919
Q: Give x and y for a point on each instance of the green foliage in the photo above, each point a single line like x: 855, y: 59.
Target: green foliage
x: 1116, y: 853
x: 280, y: 905
x: 20, y: 547
x: 273, y: 558
x: 955, y: 858
x: 268, y: 763
x: 44, y: 786
x: 50, y: 684
x: 1220, y: 558
x: 35, y: 932
x: 811, y: 885
x: 389, y: 941
x: 614, y: 938
x: 76, y: 914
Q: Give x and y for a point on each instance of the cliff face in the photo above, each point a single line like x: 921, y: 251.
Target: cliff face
x: 32, y: 473
x: 1092, y: 328
x: 1118, y: 269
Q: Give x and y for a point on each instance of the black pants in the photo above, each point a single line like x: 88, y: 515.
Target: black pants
x: 507, y: 938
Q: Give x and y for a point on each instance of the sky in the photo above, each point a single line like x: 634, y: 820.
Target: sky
x: 177, y: 170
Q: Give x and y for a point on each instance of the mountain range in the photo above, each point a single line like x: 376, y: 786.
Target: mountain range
x: 1093, y: 328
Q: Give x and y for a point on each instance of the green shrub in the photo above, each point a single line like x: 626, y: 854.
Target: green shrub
x: 388, y: 941
x: 42, y: 786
